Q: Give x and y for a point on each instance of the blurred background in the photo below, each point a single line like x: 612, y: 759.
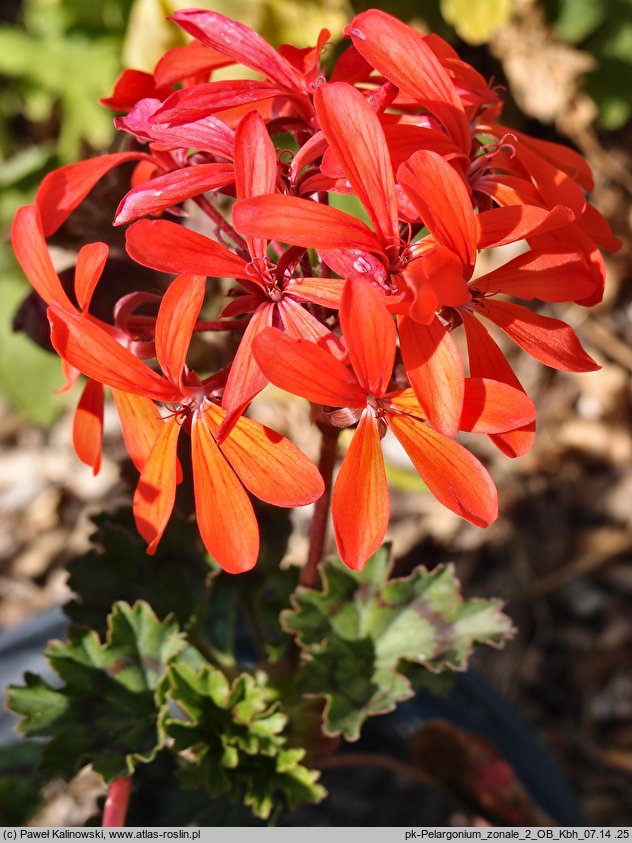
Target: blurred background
x: 560, y: 552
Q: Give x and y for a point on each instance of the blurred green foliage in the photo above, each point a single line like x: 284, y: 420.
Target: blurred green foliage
x: 602, y: 28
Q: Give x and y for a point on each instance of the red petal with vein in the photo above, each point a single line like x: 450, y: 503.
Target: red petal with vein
x: 598, y: 229
x: 440, y: 195
x: 255, y: 168
x: 141, y: 425
x: 91, y: 350
x: 178, y: 313
x: 323, y: 291
x: 303, y: 368
x: 268, y: 464
x: 246, y: 378
x: 62, y: 190
x: 403, y: 56
x: 370, y: 333
x: 130, y: 87
x: 226, y: 519
x: 561, y: 157
x: 300, y: 324
x: 240, y: 43
x: 183, y: 62
x: 435, y: 370
x: 360, y: 505
x: 494, y: 407
x: 169, y: 247
x: 550, y: 341
x: 210, y: 134
x: 454, y: 476
x: 29, y: 245
x: 309, y: 152
x: 553, y: 184
x: 87, y: 428
x: 403, y: 140
x: 487, y: 361
x: 198, y: 101
x: 515, y: 222
x: 357, y: 140
x: 302, y: 222
x: 549, y: 277
x: 89, y: 268
x: 171, y: 189
x: 156, y: 490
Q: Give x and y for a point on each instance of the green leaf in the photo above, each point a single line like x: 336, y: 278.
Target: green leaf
x: 232, y: 737
x: 577, y: 19
x: 173, y: 580
x: 361, y: 632
x: 22, y: 363
x: 19, y: 783
x: 106, y: 713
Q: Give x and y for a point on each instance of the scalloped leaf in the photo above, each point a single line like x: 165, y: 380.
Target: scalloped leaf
x: 232, y: 734
x: 118, y: 568
x: 361, y: 635
x: 106, y: 713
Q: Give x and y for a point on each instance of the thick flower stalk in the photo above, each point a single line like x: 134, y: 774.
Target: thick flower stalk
x: 231, y: 200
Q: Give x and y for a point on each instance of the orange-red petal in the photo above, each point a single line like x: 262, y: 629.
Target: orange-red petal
x: 435, y: 370
x: 360, y: 504
x: 156, y: 491
x: 454, y: 476
x: 179, y: 310
x: 370, y: 333
x: 303, y: 368
x: 89, y: 268
x: 87, y: 428
x: 226, y: 519
x: 268, y: 464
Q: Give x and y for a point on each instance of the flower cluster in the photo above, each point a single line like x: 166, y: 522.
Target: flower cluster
x: 359, y: 319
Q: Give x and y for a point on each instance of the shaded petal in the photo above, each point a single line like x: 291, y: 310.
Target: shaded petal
x: 95, y: 353
x: 552, y: 277
x: 303, y: 368
x: 300, y: 324
x: 454, y: 475
x: 130, y: 87
x: 550, y: 341
x: 494, y: 407
x: 199, y: 101
x: 360, y: 504
x: 246, y: 378
x: 268, y: 464
x: 178, y: 313
x: 240, y: 43
x: 156, y: 490
x: 226, y: 519
x: 402, y: 55
x: 169, y: 247
x: 171, y: 189
x: 62, y: 190
x: 356, y: 137
x: 29, y: 245
x: 442, y: 199
x: 183, y: 62
x: 323, y: 291
x: 87, y: 427
x: 89, y: 268
x: 515, y: 222
x: 255, y: 167
x: 141, y: 425
x: 302, y: 222
x: 435, y: 370
x: 487, y: 361
x: 370, y: 333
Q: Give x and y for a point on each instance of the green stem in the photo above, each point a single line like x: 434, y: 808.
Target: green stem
x: 318, y: 530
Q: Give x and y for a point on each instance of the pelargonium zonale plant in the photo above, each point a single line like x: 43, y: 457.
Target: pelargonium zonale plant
x: 240, y: 269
